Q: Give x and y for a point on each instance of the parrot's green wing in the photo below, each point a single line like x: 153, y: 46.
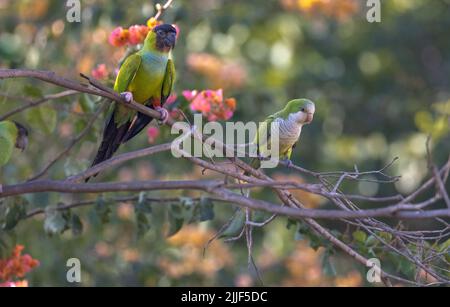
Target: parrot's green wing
x: 264, y: 132
x: 119, y: 118
x: 168, y: 81
x: 127, y: 73
x: 143, y: 120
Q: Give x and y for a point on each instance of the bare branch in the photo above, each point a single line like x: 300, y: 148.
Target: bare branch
x: 440, y: 184
x: 162, y: 8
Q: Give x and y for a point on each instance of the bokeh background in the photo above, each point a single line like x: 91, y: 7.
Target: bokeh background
x: 380, y: 90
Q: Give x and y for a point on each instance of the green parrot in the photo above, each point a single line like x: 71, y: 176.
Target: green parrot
x: 296, y: 113
x: 291, y: 119
x: 146, y: 77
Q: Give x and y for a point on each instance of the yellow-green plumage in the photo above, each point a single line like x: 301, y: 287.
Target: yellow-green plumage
x: 148, y: 75
x: 143, y: 75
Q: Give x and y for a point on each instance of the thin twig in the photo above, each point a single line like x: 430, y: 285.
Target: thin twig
x: 162, y: 8
x: 71, y: 144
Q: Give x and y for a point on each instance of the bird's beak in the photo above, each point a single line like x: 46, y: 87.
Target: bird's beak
x: 309, y: 117
x: 171, y: 40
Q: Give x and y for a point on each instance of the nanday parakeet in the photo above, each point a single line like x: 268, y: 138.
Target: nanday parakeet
x: 147, y: 77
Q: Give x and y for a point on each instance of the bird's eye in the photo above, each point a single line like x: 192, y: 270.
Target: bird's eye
x: 160, y: 32
x: 303, y: 109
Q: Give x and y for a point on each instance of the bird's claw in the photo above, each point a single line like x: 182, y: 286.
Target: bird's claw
x: 289, y: 163
x: 127, y: 96
x: 164, y: 114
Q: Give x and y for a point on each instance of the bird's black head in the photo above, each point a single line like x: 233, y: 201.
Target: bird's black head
x: 166, y: 36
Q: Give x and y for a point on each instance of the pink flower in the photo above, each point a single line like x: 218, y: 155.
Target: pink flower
x: 211, y: 104
x: 212, y: 117
x: 152, y: 134
x: 176, y: 114
x: 137, y: 34
x: 177, y: 28
x: 100, y: 72
x: 201, y: 103
x: 14, y: 284
x: 171, y: 99
x: 119, y: 37
x: 189, y: 95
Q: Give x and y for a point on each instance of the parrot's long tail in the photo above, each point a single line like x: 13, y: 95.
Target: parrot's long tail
x: 113, y: 136
x: 141, y: 121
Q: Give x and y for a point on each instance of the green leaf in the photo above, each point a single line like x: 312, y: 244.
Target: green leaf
x: 444, y: 248
x: 176, y: 219
x: 327, y: 266
x: 371, y: 241
x: 386, y: 236
x: 206, y: 209
x: 15, y: 211
x: 405, y: 266
x: 236, y: 224
x: 55, y: 222
x: 32, y: 91
x: 290, y: 223
x: 103, y: 210
x: 8, y: 129
x: 189, y: 211
x: 298, y: 236
x: 315, y: 241
x: 8, y: 135
x: 143, y: 204
x: 86, y: 103
x: 42, y: 118
x: 260, y: 216
x: 6, y: 150
x: 76, y: 225
x: 359, y: 236
x: 143, y: 224
x: 141, y: 210
x: 79, y: 126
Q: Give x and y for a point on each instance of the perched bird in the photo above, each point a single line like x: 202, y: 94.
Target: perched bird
x: 291, y: 119
x: 298, y: 112
x: 146, y: 77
